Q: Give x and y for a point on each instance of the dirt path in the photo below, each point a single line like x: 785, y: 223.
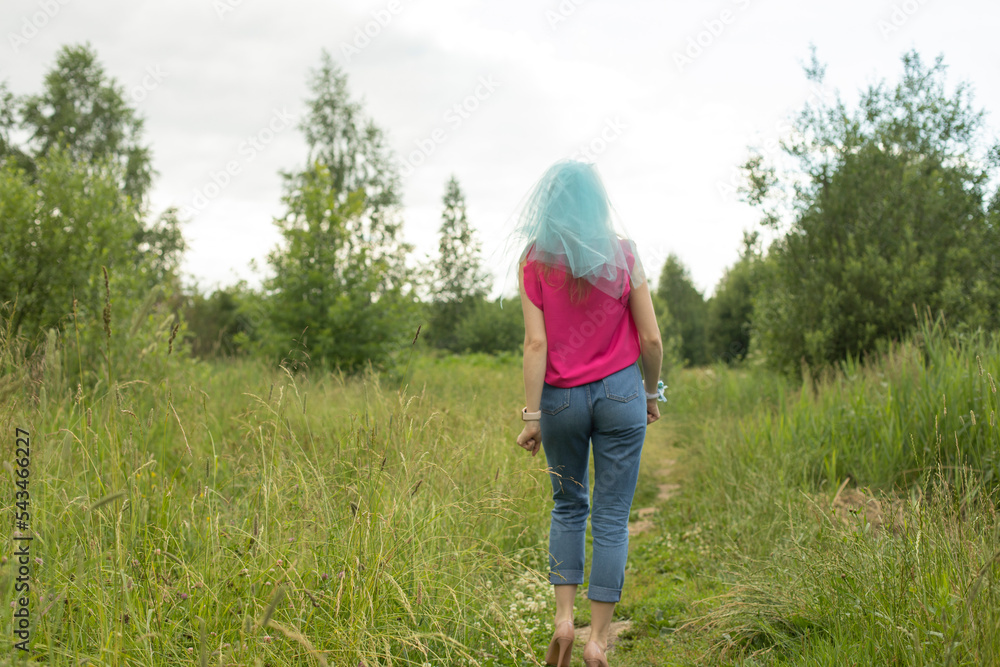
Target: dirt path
x: 659, y: 460
x: 644, y: 515
x: 618, y: 627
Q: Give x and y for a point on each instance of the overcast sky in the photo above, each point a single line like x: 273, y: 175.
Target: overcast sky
x: 665, y: 96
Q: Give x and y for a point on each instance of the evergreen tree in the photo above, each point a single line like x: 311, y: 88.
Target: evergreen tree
x: 355, y: 157
x: 670, y: 335
x: 730, y: 310
x: 340, y: 285
x: 460, y: 272
x: 459, y: 279
x: 688, y: 309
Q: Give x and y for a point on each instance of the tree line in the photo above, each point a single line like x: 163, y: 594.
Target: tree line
x: 877, y: 211
x: 75, y: 174
x: 882, y: 214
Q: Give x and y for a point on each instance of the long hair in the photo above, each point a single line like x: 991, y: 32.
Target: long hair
x: 579, y: 287
x: 567, y: 223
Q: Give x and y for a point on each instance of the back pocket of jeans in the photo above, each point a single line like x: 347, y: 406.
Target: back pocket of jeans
x: 622, y: 386
x: 554, y: 400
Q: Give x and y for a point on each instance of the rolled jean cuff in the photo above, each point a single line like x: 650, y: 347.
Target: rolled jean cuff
x: 599, y: 594
x: 566, y: 577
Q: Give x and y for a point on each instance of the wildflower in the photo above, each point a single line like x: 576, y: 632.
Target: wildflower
x: 184, y: 596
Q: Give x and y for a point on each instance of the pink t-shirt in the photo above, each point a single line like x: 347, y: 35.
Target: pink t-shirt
x: 587, y: 341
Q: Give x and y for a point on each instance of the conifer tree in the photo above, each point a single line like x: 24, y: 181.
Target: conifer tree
x: 459, y: 278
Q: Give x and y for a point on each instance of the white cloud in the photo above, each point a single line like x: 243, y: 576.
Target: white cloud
x: 558, y: 87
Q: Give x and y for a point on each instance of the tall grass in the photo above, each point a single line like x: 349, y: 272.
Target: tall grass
x: 229, y: 513
x: 905, y: 571
x: 922, y: 408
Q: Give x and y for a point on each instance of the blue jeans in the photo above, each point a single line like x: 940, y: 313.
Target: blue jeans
x: 611, y: 413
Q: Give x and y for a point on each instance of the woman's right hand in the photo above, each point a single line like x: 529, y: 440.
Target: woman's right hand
x: 652, y: 411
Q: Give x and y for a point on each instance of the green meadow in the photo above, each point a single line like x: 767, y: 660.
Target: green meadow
x: 235, y: 513
x: 188, y: 481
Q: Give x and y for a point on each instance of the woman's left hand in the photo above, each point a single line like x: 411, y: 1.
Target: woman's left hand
x: 531, y: 437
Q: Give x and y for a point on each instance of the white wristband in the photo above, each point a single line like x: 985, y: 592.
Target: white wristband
x: 658, y: 395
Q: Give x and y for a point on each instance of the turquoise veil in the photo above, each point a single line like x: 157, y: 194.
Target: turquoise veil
x: 567, y: 222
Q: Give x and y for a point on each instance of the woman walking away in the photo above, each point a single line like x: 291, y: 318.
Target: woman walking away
x: 588, y: 318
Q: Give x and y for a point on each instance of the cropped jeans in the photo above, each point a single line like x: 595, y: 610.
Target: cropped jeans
x: 610, y: 413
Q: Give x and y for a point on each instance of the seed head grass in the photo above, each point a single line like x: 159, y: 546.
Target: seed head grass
x: 854, y: 515
x: 212, y: 515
